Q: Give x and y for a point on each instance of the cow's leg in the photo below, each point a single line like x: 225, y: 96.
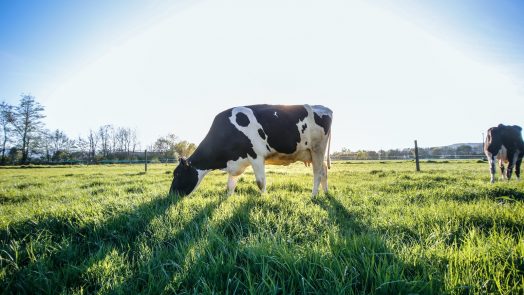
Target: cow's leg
x: 260, y: 174
x: 517, y: 167
x: 512, y: 159
x: 501, y: 165
x: 491, y: 160
x: 231, y: 184
x: 317, y: 158
x: 323, y: 178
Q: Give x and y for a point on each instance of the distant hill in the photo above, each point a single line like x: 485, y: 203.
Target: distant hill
x: 474, y: 145
x: 458, y: 148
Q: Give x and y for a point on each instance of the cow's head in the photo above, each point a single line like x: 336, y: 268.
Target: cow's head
x: 185, y: 178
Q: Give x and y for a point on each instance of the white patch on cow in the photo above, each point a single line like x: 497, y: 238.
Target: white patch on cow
x: 502, y: 155
x: 231, y: 184
x: 260, y: 173
x: 491, y: 160
x: 319, y: 142
x: 276, y: 115
x: 236, y: 167
x: 251, y: 130
x: 201, y: 174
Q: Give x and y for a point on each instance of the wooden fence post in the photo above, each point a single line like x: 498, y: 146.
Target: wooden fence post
x: 416, y: 156
x: 145, y: 162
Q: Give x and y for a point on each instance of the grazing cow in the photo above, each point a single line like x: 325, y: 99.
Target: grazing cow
x: 257, y: 135
x: 504, y: 143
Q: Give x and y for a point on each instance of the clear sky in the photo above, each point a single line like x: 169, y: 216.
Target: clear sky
x: 441, y: 72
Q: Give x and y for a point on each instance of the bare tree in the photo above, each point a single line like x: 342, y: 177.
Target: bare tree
x: 45, y: 143
x: 28, y: 122
x: 92, y: 139
x: 124, y: 140
x: 6, y: 118
x: 113, y: 136
x: 134, y: 140
x: 59, y: 141
x: 82, y: 147
x: 104, y: 137
x: 61, y: 146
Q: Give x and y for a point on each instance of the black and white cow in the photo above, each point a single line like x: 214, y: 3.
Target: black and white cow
x: 505, y: 144
x: 257, y: 135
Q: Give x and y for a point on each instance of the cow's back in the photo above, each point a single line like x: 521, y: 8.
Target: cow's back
x: 280, y: 134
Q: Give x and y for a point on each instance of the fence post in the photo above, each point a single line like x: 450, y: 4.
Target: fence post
x: 145, y: 162
x: 416, y: 156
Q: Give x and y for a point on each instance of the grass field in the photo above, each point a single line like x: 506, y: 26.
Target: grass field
x: 382, y: 229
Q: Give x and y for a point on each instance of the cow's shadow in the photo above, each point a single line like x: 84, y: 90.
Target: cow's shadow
x: 372, y: 257
x: 63, y: 265
x: 180, y: 260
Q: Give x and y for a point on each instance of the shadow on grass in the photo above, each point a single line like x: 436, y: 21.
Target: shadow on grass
x: 178, y: 262
x: 376, y: 267
x: 205, y: 255
x: 501, y: 194
x: 233, y: 256
x: 49, y: 253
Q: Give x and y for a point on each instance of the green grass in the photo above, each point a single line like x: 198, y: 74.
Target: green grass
x: 382, y: 229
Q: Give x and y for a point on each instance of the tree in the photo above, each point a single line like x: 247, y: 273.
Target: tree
x: 184, y: 148
x: 362, y: 155
x: 464, y: 150
x: 15, y: 154
x: 372, y: 155
x: 45, y: 143
x: 437, y: 151
x: 134, y: 140
x: 393, y: 154
x: 114, y: 139
x: 60, y: 141
x: 92, y: 140
x: 6, y: 118
x: 104, y: 134
x: 168, y: 146
x: 28, y: 122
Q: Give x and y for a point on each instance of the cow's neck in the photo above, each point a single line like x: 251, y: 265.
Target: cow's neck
x: 196, y: 161
x: 201, y: 175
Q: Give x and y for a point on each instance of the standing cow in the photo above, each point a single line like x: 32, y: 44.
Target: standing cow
x: 257, y: 135
x: 504, y: 143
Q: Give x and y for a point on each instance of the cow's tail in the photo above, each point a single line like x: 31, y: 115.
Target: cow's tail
x: 328, y: 150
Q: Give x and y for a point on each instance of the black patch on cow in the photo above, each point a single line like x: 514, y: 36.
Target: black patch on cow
x: 305, y: 143
x: 242, y: 119
x: 304, y: 128
x: 282, y: 132
x: 268, y: 148
x: 185, y: 178
x: 324, y: 122
x: 261, y: 133
x: 223, y: 142
x: 509, y: 136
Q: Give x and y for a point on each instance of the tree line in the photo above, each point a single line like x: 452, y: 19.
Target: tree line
x: 25, y: 139
x: 456, y: 151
